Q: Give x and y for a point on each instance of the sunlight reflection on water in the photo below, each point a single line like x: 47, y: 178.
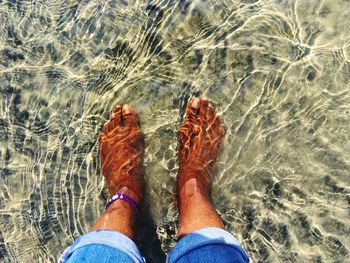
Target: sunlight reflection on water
x: 277, y: 71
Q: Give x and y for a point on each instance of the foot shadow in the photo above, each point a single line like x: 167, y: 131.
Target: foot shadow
x: 147, y: 239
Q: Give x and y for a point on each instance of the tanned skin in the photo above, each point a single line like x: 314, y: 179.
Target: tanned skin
x: 200, y: 136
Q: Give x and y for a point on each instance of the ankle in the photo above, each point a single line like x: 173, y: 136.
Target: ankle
x: 194, y: 180
x: 127, y: 191
x: 193, y: 187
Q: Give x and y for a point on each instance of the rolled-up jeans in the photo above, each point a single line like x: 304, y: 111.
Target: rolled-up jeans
x: 205, y: 245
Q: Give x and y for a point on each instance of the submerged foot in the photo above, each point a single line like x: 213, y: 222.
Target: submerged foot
x: 199, y: 137
x: 120, y: 153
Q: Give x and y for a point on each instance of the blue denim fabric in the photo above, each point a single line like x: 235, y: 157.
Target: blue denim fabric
x: 208, y: 245
x: 205, y: 245
x: 102, y: 246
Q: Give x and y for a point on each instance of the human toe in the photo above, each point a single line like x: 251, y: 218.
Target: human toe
x: 217, y: 127
x: 114, y: 121
x: 216, y: 123
x: 118, y: 115
x: 129, y: 116
x: 106, y: 128
x: 101, y: 138
x: 203, y: 107
x: 210, y: 115
x: 192, y: 108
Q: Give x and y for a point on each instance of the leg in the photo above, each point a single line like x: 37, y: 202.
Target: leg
x: 120, y: 153
x: 120, y: 150
x: 203, y: 238
x: 200, y: 136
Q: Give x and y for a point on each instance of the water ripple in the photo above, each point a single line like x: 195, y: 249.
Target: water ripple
x: 277, y: 71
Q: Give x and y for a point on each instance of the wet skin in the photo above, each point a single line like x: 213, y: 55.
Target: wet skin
x: 199, y: 137
x: 120, y: 154
x: 120, y: 151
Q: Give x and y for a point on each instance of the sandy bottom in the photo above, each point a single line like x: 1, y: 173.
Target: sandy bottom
x: 278, y: 71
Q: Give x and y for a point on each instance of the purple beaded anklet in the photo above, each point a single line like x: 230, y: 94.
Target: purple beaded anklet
x: 125, y: 198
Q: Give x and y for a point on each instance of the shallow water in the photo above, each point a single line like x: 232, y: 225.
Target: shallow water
x: 278, y: 71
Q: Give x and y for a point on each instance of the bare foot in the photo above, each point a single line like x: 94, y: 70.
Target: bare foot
x: 199, y: 137
x: 120, y: 153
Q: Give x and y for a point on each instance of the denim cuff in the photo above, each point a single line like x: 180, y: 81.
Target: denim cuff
x: 204, y: 237
x: 108, y: 238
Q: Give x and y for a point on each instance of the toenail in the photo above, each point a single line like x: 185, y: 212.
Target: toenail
x: 195, y: 103
x: 127, y: 109
x: 117, y: 108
